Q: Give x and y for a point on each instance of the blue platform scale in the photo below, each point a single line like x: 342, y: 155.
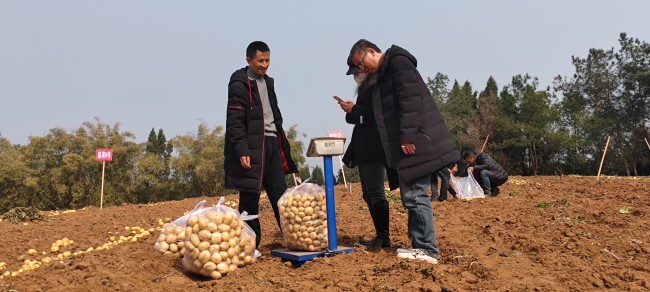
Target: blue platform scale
x: 326, y: 148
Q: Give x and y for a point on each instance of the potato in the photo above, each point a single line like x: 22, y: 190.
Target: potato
x: 223, y: 228
x: 212, y: 216
x: 225, y: 236
x: 214, y: 248
x: 192, y: 220
x: 195, y: 239
x: 215, y: 275
x: 204, y: 245
x: 224, y: 255
x: 233, y: 242
x: 309, y: 210
x: 171, y: 238
x: 216, y: 258
x: 204, y: 256
x: 212, y: 227
x: 205, y: 235
x: 228, y: 217
x: 209, y: 267
x: 222, y: 268
x: 197, y: 265
x: 236, y: 224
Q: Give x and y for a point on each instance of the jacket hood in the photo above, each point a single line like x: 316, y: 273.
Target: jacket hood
x: 391, y: 53
x: 239, y: 75
x: 399, y: 51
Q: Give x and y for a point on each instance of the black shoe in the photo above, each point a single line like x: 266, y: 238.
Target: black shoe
x: 377, y: 242
x: 380, y: 218
x: 495, y: 191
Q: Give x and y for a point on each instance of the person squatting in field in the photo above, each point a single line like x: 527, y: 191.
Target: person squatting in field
x: 256, y: 152
x: 489, y: 173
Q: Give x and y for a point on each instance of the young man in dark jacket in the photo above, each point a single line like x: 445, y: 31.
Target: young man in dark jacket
x: 256, y: 153
x: 489, y: 174
x: 413, y: 135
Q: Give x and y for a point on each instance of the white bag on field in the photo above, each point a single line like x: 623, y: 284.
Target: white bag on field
x: 303, y: 217
x: 467, y: 187
x: 218, y: 241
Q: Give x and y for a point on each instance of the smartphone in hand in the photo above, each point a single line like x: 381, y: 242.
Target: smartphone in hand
x: 338, y: 98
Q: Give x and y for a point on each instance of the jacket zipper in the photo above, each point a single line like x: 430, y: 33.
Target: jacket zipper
x: 250, y: 91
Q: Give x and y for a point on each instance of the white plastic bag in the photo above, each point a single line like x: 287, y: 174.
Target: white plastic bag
x: 303, y: 217
x: 218, y: 241
x: 467, y: 187
x: 172, y: 235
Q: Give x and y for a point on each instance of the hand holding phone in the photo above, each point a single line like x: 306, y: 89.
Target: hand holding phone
x: 338, y: 98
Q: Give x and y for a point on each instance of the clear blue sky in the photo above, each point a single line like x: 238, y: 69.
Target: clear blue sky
x: 166, y: 64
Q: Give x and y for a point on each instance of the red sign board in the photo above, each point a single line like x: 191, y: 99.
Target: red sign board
x: 336, y: 134
x: 104, y: 155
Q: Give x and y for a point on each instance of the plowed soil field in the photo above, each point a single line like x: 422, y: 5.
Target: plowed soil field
x: 566, y: 233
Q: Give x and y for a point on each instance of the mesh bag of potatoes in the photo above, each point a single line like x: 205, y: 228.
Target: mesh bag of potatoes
x: 218, y: 241
x: 303, y: 217
x: 172, y: 236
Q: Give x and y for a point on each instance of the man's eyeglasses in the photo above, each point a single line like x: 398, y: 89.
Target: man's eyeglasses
x: 361, y: 66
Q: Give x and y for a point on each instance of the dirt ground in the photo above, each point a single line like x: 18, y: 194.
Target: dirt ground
x: 564, y: 233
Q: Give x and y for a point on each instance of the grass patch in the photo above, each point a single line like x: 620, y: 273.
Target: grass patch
x: 544, y: 204
x: 391, y: 197
x: 22, y: 214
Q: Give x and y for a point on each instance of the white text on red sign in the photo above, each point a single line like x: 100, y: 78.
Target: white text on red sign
x: 335, y: 134
x: 104, y: 155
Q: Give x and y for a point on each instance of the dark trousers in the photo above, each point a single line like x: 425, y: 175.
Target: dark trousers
x: 274, y: 183
x: 371, y: 176
x: 489, y: 181
x: 444, y: 175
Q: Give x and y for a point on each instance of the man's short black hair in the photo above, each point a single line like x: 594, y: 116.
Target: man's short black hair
x: 468, y: 154
x: 255, y: 46
x: 362, y: 45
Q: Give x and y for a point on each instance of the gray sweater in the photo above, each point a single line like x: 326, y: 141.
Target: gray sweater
x: 269, y: 124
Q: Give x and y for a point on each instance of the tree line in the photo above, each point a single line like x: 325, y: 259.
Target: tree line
x: 59, y: 171
x: 530, y: 131
x: 544, y: 131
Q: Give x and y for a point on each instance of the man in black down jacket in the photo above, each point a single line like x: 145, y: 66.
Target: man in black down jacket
x: 257, y: 152
x: 413, y: 134
x: 489, y: 173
